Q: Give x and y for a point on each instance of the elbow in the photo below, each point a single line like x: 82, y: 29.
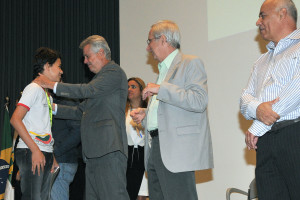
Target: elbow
x: 12, y: 120
x: 199, y: 106
x: 202, y: 104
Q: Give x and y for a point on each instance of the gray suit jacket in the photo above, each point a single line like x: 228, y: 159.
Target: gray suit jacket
x: 184, y: 133
x: 102, y: 113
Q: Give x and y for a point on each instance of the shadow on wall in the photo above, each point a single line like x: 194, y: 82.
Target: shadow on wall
x: 249, y: 155
x: 203, y: 176
x: 261, y: 43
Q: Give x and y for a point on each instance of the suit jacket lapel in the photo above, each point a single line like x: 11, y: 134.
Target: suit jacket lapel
x: 173, y: 67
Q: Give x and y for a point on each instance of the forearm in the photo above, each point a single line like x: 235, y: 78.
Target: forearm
x: 248, y: 105
x: 101, y: 85
x: 289, y: 98
x: 68, y: 112
x: 194, y: 99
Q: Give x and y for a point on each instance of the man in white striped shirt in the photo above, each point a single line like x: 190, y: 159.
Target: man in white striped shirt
x: 272, y: 100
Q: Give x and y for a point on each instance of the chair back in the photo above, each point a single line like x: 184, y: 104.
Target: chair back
x: 252, y: 192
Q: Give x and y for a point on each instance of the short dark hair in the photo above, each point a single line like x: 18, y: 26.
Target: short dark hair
x: 42, y: 56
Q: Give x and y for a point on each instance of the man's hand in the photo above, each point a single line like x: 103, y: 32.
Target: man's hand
x: 138, y: 115
x: 44, y: 82
x: 38, y: 161
x: 150, y: 90
x: 265, y: 114
x: 251, y: 140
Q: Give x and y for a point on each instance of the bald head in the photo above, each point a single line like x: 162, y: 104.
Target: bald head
x: 288, y: 5
x: 277, y: 19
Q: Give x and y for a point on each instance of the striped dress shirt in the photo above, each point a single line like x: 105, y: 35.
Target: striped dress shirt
x: 275, y: 74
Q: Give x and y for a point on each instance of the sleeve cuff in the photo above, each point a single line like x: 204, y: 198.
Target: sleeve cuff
x: 258, y: 128
x: 54, y: 88
x: 54, y: 109
x: 252, y: 108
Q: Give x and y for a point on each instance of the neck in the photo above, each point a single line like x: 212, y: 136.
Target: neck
x: 134, y: 104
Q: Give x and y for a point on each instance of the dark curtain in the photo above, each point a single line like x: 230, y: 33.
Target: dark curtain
x: 58, y: 24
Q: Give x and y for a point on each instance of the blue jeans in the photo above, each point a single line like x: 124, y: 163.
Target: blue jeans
x: 33, y: 186
x: 60, y: 188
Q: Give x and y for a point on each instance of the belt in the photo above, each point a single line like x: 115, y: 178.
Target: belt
x: 282, y: 124
x: 154, y: 133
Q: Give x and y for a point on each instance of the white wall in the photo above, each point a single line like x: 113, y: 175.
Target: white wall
x: 228, y: 63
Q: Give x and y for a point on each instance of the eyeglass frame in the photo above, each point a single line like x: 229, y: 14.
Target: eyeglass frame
x: 150, y: 40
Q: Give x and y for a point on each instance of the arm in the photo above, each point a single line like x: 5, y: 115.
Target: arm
x: 105, y: 82
x: 287, y: 104
x: 289, y: 96
x: 38, y: 158
x: 252, y: 108
x: 248, y: 101
x: 192, y: 96
x: 70, y: 112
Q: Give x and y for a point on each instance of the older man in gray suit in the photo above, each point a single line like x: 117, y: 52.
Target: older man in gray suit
x: 176, y: 118
x: 102, y: 114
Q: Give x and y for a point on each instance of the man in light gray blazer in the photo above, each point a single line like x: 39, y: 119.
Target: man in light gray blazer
x: 102, y: 114
x: 176, y: 118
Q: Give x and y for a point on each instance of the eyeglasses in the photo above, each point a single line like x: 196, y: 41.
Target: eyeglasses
x: 150, y: 40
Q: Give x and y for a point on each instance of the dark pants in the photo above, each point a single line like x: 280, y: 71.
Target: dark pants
x: 166, y: 185
x: 278, y: 164
x: 34, y: 186
x: 106, y: 177
x: 135, y: 170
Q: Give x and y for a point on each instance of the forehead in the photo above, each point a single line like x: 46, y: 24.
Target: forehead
x: 87, y: 50
x: 267, y: 6
x: 150, y: 34
x: 58, y: 61
x: 132, y: 82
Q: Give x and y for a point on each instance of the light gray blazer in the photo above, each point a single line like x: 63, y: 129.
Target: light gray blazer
x: 184, y: 133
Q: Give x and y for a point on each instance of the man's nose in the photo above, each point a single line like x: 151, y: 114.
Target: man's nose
x: 258, y: 22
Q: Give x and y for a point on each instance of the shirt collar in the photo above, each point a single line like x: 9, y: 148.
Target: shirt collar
x: 295, y: 35
x: 168, y: 60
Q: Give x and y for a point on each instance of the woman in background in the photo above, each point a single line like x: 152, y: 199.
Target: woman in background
x: 135, y: 135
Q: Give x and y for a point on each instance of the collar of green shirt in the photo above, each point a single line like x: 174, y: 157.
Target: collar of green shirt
x: 168, y: 60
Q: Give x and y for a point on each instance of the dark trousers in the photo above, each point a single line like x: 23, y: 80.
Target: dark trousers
x: 34, y: 186
x: 166, y: 185
x: 278, y: 164
x: 135, y: 170
x: 106, y: 177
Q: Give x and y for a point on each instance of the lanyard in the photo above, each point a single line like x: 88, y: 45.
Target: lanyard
x: 50, y: 107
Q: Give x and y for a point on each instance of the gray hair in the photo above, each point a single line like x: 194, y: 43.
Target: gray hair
x: 169, y: 29
x: 289, y: 5
x: 97, y: 42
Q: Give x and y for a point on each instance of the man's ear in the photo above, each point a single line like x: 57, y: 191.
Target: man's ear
x: 282, y: 13
x: 100, y: 52
x: 164, y: 40
x: 46, y: 66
